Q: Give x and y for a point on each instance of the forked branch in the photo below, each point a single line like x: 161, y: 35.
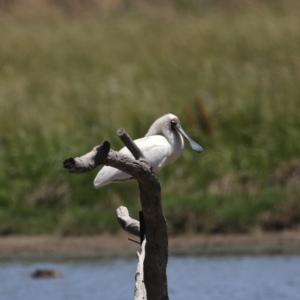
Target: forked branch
x: 156, y: 258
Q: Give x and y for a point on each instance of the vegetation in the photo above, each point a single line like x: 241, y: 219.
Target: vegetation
x: 230, y: 72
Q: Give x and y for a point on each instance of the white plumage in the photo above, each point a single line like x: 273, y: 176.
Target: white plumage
x: 158, y: 150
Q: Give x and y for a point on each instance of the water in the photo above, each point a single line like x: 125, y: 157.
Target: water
x: 193, y: 278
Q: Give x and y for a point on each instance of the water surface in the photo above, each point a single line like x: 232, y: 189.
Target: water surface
x: 193, y: 278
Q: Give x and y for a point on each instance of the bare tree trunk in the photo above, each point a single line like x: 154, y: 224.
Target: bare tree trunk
x: 156, y: 257
x: 157, y: 242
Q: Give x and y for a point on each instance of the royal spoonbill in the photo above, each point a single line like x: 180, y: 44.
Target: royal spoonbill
x: 158, y: 150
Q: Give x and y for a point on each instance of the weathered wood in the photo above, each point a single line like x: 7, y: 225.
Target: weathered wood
x: 128, y: 142
x: 142, y: 227
x: 155, y: 264
x: 88, y: 161
x: 102, y: 155
x: 126, y: 222
x: 133, y: 226
x: 140, y: 290
x: 156, y: 258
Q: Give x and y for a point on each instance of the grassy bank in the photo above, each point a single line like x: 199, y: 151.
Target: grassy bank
x: 232, y: 76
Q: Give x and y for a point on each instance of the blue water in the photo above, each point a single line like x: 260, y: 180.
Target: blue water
x: 193, y: 278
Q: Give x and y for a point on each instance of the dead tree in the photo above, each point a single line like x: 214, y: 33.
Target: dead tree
x: 156, y: 248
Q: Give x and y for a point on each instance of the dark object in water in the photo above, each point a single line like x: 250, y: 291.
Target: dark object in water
x: 46, y: 274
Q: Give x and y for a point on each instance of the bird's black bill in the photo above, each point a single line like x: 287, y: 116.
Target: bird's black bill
x: 192, y: 143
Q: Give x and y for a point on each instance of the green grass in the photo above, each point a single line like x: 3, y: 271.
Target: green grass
x: 68, y: 84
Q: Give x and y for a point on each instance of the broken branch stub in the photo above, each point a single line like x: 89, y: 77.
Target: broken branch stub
x: 126, y: 222
x: 130, y: 144
x: 88, y: 161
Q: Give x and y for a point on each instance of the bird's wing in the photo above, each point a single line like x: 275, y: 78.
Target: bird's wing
x: 156, y: 150
x: 108, y: 175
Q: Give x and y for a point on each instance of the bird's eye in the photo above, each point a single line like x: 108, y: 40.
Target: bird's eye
x: 173, y: 123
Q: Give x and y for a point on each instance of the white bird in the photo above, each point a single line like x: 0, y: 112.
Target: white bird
x: 159, y: 150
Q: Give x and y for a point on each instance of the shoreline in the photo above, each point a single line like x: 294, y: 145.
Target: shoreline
x: 41, y: 247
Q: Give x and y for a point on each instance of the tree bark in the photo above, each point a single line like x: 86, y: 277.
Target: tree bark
x: 156, y: 258
x: 126, y: 222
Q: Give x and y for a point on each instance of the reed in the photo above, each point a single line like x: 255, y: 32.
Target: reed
x: 230, y: 73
